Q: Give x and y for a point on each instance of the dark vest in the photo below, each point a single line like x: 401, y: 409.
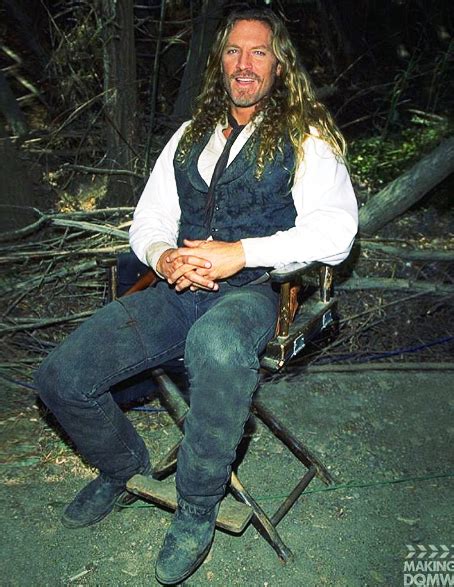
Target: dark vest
x: 244, y: 206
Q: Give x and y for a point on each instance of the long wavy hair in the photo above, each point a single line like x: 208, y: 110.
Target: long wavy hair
x: 290, y: 111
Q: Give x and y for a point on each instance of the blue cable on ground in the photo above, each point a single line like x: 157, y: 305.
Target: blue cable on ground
x: 359, y: 358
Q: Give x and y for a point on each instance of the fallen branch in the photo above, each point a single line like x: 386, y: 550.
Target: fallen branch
x: 65, y: 220
x: 12, y: 235
x: 26, y: 255
x: 380, y: 367
x: 412, y: 254
x: 430, y: 287
x: 90, y: 227
x: 408, y: 188
x: 44, y: 322
x: 97, y: 212
x: 41, y: 279
x: 101, y: 171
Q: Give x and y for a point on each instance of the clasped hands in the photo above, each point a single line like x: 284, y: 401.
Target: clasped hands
x: 199, y: 264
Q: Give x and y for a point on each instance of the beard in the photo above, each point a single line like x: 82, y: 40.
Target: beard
x: 246, y: 97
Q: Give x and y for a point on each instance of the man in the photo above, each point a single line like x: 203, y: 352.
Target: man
x: 210, y: 222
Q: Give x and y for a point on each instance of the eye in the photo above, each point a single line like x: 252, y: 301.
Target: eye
x: 231, y: 51
x: 259, y: 53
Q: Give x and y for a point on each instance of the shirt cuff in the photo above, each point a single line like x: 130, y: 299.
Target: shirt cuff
x: 258, y: 251
x: 153, y: 254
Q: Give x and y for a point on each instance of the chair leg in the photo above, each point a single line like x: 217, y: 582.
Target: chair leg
x: 265, y: 525
x: 294, y: 495
x: 301, y: 452
x: 171, y: 397
x: 168, y: 464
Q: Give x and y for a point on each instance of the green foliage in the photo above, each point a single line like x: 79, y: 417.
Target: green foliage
x: 377, y: 160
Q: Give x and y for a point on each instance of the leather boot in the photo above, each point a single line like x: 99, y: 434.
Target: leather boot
x: 96, y: 500
x: 187, y: 542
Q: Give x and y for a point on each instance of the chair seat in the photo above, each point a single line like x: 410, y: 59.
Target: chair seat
x: 233, y: 515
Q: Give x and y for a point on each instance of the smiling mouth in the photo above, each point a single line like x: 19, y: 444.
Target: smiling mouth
x: 244, y: 80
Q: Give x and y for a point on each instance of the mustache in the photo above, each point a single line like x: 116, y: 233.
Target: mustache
x: 245, y: 73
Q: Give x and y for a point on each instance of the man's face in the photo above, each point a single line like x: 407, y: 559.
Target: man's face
x: 249, y: 65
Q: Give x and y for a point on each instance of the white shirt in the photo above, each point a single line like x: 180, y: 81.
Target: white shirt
x: 325, y: 225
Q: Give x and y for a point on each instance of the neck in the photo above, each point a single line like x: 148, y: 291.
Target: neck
x: 242, y: 115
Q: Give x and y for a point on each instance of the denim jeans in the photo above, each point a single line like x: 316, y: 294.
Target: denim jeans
x: 221, y: 335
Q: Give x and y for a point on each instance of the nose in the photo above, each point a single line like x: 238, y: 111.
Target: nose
x: 244, y: 60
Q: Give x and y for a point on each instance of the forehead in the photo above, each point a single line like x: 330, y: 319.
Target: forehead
x: 250, y: 32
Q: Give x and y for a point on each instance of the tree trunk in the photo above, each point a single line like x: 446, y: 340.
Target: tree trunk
x: 203, y: 34
x: 17, y: 188
x: 407, y: 189
x: 10, y: 109
x: 120, y: 100
x: 30, y: 20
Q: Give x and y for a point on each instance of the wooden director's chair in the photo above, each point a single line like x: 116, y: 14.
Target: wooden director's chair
x: 302, y: 316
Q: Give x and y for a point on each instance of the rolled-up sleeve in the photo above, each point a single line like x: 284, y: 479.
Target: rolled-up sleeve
x: 327, y: 215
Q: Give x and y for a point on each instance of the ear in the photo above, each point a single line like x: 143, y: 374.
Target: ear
x: 278, y: 69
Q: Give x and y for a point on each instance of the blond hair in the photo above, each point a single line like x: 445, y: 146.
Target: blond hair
x: 290, y: 111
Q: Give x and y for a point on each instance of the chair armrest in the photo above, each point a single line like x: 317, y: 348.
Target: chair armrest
x: 291, y: 271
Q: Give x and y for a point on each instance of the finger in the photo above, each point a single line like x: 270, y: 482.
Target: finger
x: 197, y: 261
x: 193, y: 244
x: 200, y: 281
x: 188, y: 259
x: 182, y: 284
x: 183, y: 270
x: 179, y: 272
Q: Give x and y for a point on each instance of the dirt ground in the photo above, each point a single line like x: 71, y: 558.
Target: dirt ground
x: 385, y: 435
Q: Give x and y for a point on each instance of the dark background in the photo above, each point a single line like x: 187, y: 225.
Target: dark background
x: 103, y: 84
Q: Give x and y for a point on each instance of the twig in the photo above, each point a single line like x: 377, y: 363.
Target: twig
x: 97, y: 212
x: 12, y: 235
x: 25, y: 255
x: 91, y: 227
x: 79, y: 268
x: 45, y: 322
x: 101, y: 171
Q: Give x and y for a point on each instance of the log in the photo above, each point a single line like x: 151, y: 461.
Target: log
x: 364, y: 283
x: 399, y: 366
x: 410, y: 253
x: 408, y: 188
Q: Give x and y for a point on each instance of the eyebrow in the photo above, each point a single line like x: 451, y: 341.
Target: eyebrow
x: 267, y: 47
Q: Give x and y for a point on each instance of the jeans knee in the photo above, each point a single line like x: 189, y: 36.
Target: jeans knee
x: 44, y: 381
x: 56, y: 379
x: 218, y: 347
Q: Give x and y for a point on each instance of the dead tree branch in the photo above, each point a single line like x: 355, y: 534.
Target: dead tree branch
x: 408, y: 188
